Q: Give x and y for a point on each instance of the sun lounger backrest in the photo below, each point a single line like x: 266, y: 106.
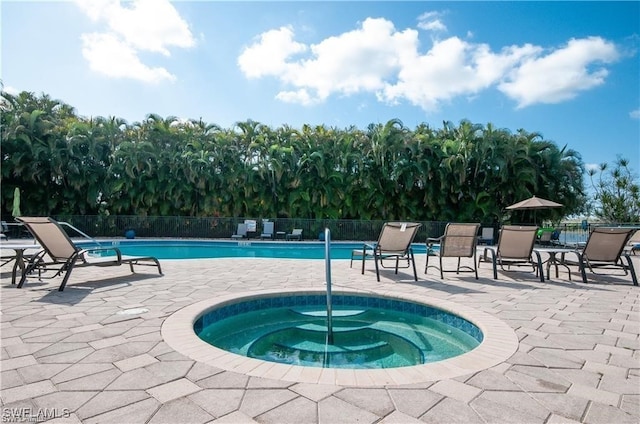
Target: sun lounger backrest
x: 516, y: 242
x: 50, y: 236
x: 397, y: 236
x: 606, y: 244
x: 267, y: 228
x: 545, y: 236
x: 242, y: 230
x: 459, y: 240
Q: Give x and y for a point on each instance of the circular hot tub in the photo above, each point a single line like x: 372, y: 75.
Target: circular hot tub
x: 376, y: 339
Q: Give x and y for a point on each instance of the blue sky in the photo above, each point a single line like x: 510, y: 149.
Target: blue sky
x: 567, y: 70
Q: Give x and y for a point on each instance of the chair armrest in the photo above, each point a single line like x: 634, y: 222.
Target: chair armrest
x: 117, y: 252
x: 368, y: 246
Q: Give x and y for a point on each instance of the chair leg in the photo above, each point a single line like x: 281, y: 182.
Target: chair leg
x: 30, y: 267
x: 427, y: 264
x: 495, y: 265
x: 375, y: 259
x: 475, y: 264
x: 538, y: 265
x: 413, y: 261
x: 634, y: 279
x: 67, y: 274
x: 441, y: 272
x: 582, y: 267
x: 65, y: 279
x: 494, y: 262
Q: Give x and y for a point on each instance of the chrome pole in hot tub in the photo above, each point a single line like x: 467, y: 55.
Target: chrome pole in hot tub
x: 327, y: 260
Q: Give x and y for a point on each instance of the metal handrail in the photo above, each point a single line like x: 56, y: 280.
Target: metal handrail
x: 88, y: 237
x: 327, y: 265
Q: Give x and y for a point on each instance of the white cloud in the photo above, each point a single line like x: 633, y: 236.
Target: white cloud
x: 562, y: 74
x: 592, y: 166
x: 378, y: 59
x: 430, y: 21
x: 110, y: 56
x: 354, y: 61
x: 144, y: 26
x: 268, y: 56
x: 635, y: 114
x: 300, y: 96
x: 451, y: 68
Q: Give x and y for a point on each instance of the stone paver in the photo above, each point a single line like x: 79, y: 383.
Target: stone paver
x: 73, y: 352
x: 173, y: 390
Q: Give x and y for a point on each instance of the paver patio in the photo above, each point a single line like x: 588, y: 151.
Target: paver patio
x: 78, y: 356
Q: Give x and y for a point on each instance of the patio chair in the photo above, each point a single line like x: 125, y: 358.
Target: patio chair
x: 459, y: 241
x: 267, y: 230
x: 633, y: 245
x: 605, y: 250
x: 394, y: 243
x: 4, y: 230
x: 555, y: 236
x: 486, y: 236
x: 296, y: 234
x: 241, y: 231
x: 515, y: 248
x: 545, y: 238
x: 61, y: 256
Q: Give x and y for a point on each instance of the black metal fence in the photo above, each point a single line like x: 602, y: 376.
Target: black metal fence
x: 99, y: 226
x: 216, y: 228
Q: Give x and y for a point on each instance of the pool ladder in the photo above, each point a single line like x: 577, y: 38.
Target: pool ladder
x: 327, y: 266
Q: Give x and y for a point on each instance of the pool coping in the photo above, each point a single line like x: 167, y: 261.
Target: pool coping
x: 500, y: 343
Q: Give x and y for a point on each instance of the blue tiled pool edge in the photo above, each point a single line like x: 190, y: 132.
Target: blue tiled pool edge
x: 339, y: 300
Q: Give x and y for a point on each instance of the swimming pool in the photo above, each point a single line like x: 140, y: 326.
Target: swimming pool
x: 200, y: 249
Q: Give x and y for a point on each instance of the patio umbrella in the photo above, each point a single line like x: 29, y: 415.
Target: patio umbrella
x: 534, y: 203
x: 16, y: 203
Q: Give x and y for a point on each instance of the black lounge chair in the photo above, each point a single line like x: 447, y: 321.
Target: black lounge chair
x: 61, y: 255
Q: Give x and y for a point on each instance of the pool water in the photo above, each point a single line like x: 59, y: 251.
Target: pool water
x: 194, y: 249
x: 363, y: 336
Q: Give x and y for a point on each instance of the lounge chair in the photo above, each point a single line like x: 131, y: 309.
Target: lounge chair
x: 633, y: 245
x: 241, y: 231
x: 60, y: 255
x: 459, y: 241
x: 486, y: 236
x: 545, y: 238
x: 394, y: 243
x: 555, y: 236
x: 604, y: 249
x: 267, y: 230
x: 515, y: 248
x: 296, y: 234
x: 4, y: 230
